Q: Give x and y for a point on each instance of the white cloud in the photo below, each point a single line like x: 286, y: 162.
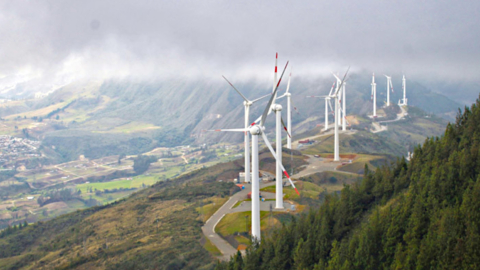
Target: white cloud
x: 209, y: 38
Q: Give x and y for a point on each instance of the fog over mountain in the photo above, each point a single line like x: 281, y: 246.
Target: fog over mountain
x: 56, y: 42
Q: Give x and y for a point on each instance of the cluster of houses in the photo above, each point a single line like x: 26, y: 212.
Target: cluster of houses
x: 13, y: 148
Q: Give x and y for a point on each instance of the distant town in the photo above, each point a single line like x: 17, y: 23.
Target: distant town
x: 13, y: 148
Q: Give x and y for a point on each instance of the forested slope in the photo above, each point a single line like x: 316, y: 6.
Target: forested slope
x: 424, y: 214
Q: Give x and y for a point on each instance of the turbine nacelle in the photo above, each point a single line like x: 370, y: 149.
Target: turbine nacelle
x: 276, y: 107
x: 256, y: 130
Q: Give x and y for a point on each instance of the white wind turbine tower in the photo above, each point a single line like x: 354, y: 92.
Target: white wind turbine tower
x: 389, y: 86
x: 247, y: 103
x: 343, y: 109
x: 374, y: 96
x: 255, y: 130
x: 277, y: 108
x: 289, y: 111
x: 404, y: 87
x: 327, y: 104
x: 336, y: 155
x: 337, y: 89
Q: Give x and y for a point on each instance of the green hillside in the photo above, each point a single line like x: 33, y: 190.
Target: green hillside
x: 421, y: 214
x: 156, y: 228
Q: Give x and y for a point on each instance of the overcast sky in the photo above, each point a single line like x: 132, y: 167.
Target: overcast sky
x: 209, y: 38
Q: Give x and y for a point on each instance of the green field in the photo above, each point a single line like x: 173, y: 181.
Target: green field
x: 106, y: 198
x: 213, y: 204
x: 243, y: 240
x: 136, y: 182
x: 130, y: 128
x: 306, y: 189
x: 211, y: 248
x: 362, y: 142
x: 235, y: 222
x: 358, y: 164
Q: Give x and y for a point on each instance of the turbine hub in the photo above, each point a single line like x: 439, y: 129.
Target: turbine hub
x: 255, y: 130
x: 247, y: 103
x: 276, y: 107
x: 288, y: 94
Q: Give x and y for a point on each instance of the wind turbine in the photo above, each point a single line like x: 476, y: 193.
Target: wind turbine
x: 343, y: 101
x: 256, y: 130
x: 247, y: 103
x: 404, y: 87
x: 374, y: 96
x: 277, y: 108
x: 389, y: 86
x: 336, y: 155
x: 327, y: 103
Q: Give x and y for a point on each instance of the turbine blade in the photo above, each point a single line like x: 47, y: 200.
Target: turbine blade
x: 275, y: 74
x: 267, y: 142
x: 236, y: 89
x: 343, y: 81
x: 269, y: 105
x: 288, y: 84
x: 293, y: 106
x: 318, y: 96
x: 285, y: 127
x: 256, y: 121
x: 336, y: 76
x: 331, y: 89
x: 229, y: 130
x: 262, y: 97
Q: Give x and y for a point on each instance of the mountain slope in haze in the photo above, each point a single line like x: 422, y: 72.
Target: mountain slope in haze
x: 418, y: 215
x: 400, y: 137
x: 129, y: 117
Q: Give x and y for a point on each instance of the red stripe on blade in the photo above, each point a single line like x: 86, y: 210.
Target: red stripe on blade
x: 279, y: 82
x: 286, y: 174
x: 218, y: 130
x: 298, y: 193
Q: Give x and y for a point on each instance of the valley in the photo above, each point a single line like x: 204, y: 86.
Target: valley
x: 86, y: 183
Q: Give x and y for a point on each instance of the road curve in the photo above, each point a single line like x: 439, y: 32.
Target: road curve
x: 208, y: 228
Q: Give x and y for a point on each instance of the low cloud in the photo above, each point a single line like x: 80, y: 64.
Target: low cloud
x: 204, y: 39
